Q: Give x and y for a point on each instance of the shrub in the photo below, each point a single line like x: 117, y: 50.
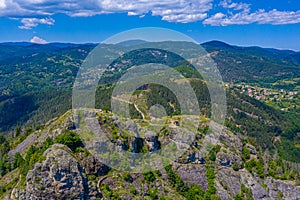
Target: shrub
x: 245, y: 154
x: 70, y: 139
x: 235, y: 167
x: 18, y: 161
x: 153, y: 193
x: 272, y: 168
x: 212, y: 155
x: 250, y: 164
x: 5, y: 166
x: 149, y: 177
x: 210, y: 175
x: 194, y: 192
x: 217, y: 148
x: 213, y: 152
x: 238, y: 197
x: 260, y: 169
x: 205, y: 130
x: 280, y: 195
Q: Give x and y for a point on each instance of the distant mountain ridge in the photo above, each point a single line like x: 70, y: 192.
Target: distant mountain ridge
x: 212, y: 43
x: 272, y: 53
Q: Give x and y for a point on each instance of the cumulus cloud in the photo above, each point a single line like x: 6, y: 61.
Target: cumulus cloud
x: 38, y: 40
x: 236, y: 6
x: 34, y: 12
x: 261, y: 16
x: 2, y: 4
x: 170, y: 10
x: 29, y: 23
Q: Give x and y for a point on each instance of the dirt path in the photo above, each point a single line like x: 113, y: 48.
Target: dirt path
x: 135, y: 106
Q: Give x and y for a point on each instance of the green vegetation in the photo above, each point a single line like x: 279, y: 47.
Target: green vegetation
x: 264, y: 123
x: 149, y: 177
x: 42, y: 90
x: 213, y: 152
x: 284, y: 171
x: 42, y: 93
x: 238, y: 197
x: 245, y: 153
x: 246, y: 192
x: 235, y: 167
x: 5, y: 166
x: 8, y: 187
x: 280, y: 195
x: 33, y: 155
x: 22, y: 135
x: 253, y: 65
x: 108, y: 193
x: 18, y: 161
x: 211, y: 191
x: 70, y: 139
x: 153, y: 193
x: 256, y: 166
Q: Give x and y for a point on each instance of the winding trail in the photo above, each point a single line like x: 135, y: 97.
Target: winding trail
x: 135, y: 106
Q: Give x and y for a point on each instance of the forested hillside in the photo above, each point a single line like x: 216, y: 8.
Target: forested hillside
x: 37, y: 86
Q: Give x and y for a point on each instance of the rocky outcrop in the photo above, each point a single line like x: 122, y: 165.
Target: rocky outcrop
x: 131, y: 127
x: 251, y: 148
x: 230, y: 140
x: 222, y: 193
x: 92, y: 166
x: 67, y: 175
x: 152, y: 142
x: 255, y: 184
x: 228, y: 159
x: 30, y: 140
x: 230, y: 180
x: 192, y: 174
x: 279, y: 189
x: 196, y: 158
x: 59, y: 176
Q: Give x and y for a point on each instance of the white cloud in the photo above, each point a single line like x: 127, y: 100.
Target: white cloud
x: 29, y: 23
x: 261, y: 16
x: 185, y: 18
x: 236, y: 6
x: 170, y: 10
x: 38, y: 40
x: 35, y: 12
x: 2, y: 4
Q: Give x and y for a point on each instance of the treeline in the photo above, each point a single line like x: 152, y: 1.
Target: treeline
x: 33, y: 108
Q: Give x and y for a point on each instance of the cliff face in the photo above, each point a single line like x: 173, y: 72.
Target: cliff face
x: 59, y: 176
x: 65, y: 173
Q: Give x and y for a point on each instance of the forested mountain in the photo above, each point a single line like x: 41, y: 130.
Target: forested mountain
x: 37, y: 82
x: 36, y: 86
x: 253, y: 64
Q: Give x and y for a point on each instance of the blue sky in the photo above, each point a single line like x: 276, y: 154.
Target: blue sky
x: 266, y: 23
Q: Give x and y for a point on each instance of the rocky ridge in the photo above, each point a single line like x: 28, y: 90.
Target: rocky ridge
x: 65, y: 174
